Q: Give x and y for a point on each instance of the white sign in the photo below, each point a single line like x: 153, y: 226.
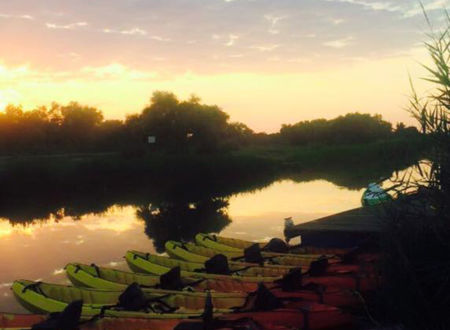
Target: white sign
x: 151, y: 139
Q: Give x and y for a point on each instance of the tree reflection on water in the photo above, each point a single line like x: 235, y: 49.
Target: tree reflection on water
x: 182, y: 220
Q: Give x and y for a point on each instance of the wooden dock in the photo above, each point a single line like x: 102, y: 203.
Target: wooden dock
x: 345, y: 229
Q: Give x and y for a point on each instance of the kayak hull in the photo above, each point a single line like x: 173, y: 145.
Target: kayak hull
x: 146, y: 263
x: 21, y: 321
x: 87, y: 276
x: 48, y: 298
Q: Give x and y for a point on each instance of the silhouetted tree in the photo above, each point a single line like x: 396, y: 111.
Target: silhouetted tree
x: 348, y: 129
x: 181, y: 126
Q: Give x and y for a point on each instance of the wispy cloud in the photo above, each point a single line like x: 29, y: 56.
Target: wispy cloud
x: 25, y: 16
x: 70, y: 26
x: 434, y: 5
x: 372, y: 5
x: 265, y: 48
x: 117, y: 71
x: 338, y: 43
x: 273, y: 20
x: 337, y: 21
x: 159, y: 38
x: 134, y: 31
x: 231, y: 40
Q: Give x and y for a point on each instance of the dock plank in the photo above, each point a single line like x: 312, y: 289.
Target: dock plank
x: 362, y: 219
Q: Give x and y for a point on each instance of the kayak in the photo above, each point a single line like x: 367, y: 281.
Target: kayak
x: 195, y: 253
x: 154, y: 264
x: 21, y: 321
x: 189, y: 250
x: 44, y: 298
x: 146, y: 263
x: 288, y: 259
x: 311, y: 250
x: 111, y: 279
x: 27, y: 321
x: 341, y: 253
x: 49, y: 298
x: 87, y: 276
x: 375, y: 195
x: 105, y: 278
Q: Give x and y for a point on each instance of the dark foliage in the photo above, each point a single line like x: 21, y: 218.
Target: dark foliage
x: 349, y: 129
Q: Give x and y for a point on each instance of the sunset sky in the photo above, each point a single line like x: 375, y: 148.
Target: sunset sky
x: 264, y: 62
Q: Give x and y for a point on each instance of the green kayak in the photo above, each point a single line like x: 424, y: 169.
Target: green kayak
x: 112, y: 279
x: 152, y: 264
x: 44, y: 298
x: 375, y: 195
x: 194, y: 253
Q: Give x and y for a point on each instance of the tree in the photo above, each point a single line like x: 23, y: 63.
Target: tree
x: 348, y: 129
x: 181, y: 126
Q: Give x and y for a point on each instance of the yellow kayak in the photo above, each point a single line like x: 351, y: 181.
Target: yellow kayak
x: 195, y: 253
x: 301, y: 250
x: 217, y: 243
x: 152, y: 264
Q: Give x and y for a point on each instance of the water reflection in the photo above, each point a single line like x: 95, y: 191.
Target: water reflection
x: 43, y: 228
x: 181, y: 220
x: 41, y: 250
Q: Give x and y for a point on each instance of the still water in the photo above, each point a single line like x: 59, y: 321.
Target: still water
x: 38, y: 250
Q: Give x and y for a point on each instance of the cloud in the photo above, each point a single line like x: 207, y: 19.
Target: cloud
x: 159, y: 38
x: 339, y: 43
x: 117, y: 71
x: 231, y: 40
x: 13, y: 73
x: 434, y: 5
x: 71, y: 26
x: 265, y: 48
x: 337, y: 21
x: 375, y: 5
x: 299, y: 60
x: 134, y: 31
x: 408, y: 9
x: 273, y: 20
x: 24, y: 16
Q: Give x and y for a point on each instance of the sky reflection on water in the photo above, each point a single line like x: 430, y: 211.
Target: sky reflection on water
x: 40, y: 250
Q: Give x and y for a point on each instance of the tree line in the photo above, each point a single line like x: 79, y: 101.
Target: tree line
x: 176, y: 126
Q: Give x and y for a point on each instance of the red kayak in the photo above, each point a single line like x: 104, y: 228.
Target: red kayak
x: 26, y: 321
x: 350, y: 282
x: 23, y: 321
x: 313, y: 316
x: 329, y: 293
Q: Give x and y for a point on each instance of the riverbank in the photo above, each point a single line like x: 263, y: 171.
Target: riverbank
x: 37, y: 186
x: 274, y: 156
x: 350, y: 166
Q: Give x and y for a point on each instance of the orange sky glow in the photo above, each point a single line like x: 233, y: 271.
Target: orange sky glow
x: 264, y: 63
